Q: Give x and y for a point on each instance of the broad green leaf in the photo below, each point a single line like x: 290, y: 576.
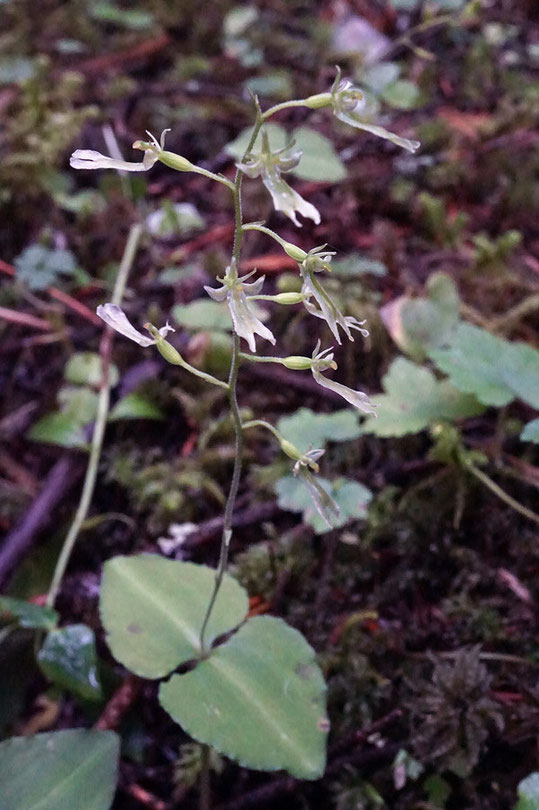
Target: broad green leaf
x: 86, y: 368
x: 28, y: 614
x: 78, y: 403
x: 153, y: 608
x: 415, y: 399
x: 319, y: 160
x: 276, y: 84
x: 494, y: 369
x: 306, y: 429
x: 259, y: 698
x: 531, y: 432
x: 173, y: 219
x: 380, y: 75
x: 354, y: 265
x: 68, y: 658
x: 402, y: 94
x: 277, y: 135
x: 528, y: 793
x: 351, y: 497
x: 419, y: 324
x: 203, y: 314
x: 59, y: 770
x: 58, y: 428
x: 135, y: 406
x: 134, y: 19
x: 38, y: 266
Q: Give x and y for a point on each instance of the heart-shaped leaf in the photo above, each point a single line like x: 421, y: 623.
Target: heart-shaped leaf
x: 306, y: 429
x: 68, y: 658
x: 494, y: 369
x: 259, y: 698
x: 415, y: 399
x: 153, y: 608
x: 60, y: 770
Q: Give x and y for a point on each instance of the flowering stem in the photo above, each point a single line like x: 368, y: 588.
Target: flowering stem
x: 217, y: 177
x: 100, y: 423
x: 234, y: 409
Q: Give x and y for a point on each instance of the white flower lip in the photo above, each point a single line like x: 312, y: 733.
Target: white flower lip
x: 324, y: 360
x: 116, y: 318
x: 90, y: 159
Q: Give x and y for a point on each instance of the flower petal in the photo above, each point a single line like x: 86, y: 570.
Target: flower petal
x: 89, y: 159
x: 374, y: 129
x: 324, y: 504
x: 358, y: 399
x: 117, y: 319
x: 287, y: 200
x: 246, y: 324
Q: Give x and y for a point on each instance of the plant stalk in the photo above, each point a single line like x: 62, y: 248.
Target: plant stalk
x: 103, y: 402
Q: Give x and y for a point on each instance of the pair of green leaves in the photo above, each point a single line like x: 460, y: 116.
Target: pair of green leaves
x: 259, y: 697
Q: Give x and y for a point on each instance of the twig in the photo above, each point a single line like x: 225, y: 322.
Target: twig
x: 120, y: 702
x: 210, y: 528
x: 24, y: 319
x: 61, y: 478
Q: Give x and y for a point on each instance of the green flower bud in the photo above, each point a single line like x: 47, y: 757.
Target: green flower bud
x: 296, y: 362
x: 293, y: 251
x: 291, y: 450
x: 174, y: 161
x: 318, y: 101
x: 170, y: 354
x: 288, y: 298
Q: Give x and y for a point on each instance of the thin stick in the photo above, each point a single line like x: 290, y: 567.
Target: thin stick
x: 502, y: 494
x: 100, y: 421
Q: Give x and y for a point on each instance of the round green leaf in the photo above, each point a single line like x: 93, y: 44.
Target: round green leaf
x: 153, y: 608
x: 28, y: 614
x: 60, y: 770
x: 203, y: 314
x: 259, y: 698
x: 86, y: 368
x: 68, y: 658
x: 135, y: 406
x: 319, y: 161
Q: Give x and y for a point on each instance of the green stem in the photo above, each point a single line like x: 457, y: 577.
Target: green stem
x: 285, y: 105
x: 217, y: 177
x: 234, y: 409
x: 502, y: 494
x: 99, y: 427
x: 179, y: 361
x: 264, y: 424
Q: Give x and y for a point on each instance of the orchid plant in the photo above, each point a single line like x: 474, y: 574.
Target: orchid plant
x: 258, y: 696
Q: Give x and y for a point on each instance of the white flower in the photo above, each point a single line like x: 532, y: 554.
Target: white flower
x: 89, y: 159
x: 327, y: 308
x: 246, y: 323
x: 350, y: 106
x: 117, y: 319
x: 324, y: 360
x: 324, y: 504
x: 269, y: 165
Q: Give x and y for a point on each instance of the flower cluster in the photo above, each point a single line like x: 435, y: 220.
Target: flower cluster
x: 350, y: 106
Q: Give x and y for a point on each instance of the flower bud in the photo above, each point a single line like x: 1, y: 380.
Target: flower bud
x: 318, y: 101
x: 170, y: 354
x: 291, y: 450
x: 174, y: 161
x: 294, y: 251
x: 288, y: 298
x: 296, y: 362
